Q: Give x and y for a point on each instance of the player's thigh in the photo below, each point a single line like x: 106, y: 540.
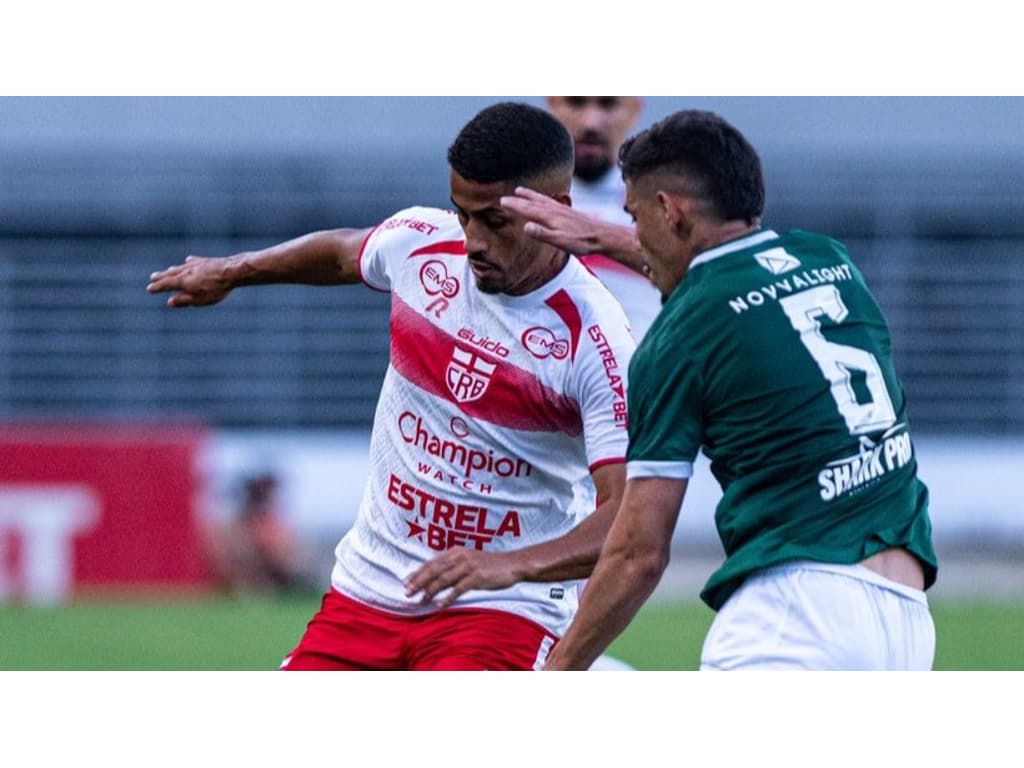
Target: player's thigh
x: 466, y: 639
x: 345, y: 634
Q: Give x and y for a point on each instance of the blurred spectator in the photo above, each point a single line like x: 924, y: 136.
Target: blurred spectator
x: 256, y: 550
x: 598, y: 125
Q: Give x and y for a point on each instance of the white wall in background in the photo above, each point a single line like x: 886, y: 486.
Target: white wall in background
x: 974, y: 483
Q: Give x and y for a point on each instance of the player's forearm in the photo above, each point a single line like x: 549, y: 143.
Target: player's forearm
x: 566, y: 228
x: 329, y: 257
x: 619, y: 587
x: 619, y: 243
x: 572, y: 556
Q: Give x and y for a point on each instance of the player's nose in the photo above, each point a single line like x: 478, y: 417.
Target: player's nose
x: 475, y: 244
x: 593, y: 119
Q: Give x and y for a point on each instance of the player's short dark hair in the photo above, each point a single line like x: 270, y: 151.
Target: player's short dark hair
x: 704, y: 147
x: 510, y: 142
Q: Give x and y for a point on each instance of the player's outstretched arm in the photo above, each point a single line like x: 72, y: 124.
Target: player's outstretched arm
x: 330, y: 257
x: 571, y: 556
x: 563, y: 227
x: 631, y: 564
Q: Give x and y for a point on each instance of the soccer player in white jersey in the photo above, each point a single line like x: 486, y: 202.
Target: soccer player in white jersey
x: 506, y: 384
x: 598, y: 125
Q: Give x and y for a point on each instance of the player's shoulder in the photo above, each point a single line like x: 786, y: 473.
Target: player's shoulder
x: 418, y: 225
x: 590, y: 292
x: 755, y: 259
x: 422, y: 213
x: 600, y: 314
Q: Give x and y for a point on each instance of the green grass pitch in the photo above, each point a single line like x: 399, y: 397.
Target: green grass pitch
x: 216, y: 633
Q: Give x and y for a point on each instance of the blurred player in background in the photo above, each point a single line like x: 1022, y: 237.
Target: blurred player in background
x: 262, y: 546
x: 257, y: 551
x: 506, y: 385
x: 772, y: 355
x: 598, y: 125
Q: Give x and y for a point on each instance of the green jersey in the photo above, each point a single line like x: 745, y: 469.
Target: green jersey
x: 773, y: 356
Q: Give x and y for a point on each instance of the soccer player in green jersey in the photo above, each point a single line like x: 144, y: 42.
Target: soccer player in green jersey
x: 770, y: 354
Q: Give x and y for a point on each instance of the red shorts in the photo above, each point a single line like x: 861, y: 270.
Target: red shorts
x: 346, y: 634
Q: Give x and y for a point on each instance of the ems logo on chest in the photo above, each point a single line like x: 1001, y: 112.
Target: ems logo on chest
x: 468, y: 375
x: 437, y: 282
x: 541, y: 343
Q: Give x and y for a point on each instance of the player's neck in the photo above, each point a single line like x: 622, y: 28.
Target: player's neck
x: 546, y: 272
x: 713, y: 235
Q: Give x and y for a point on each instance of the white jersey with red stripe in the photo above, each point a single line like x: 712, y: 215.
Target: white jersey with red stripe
x: 605, y: 199
x: 492, y: 407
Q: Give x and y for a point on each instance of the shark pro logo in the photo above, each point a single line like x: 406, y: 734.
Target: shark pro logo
x: 468, y: 375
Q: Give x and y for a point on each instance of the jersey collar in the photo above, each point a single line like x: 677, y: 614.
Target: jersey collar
x: 539, y: 294
x: 731, y: 246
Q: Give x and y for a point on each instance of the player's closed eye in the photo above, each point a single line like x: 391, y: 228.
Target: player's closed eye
x: 493, y: 223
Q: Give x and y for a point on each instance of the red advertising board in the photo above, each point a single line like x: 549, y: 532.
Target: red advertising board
x: 109, y: 506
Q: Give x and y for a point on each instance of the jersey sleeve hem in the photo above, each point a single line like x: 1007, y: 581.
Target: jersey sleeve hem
x: 604, y: 462
x: 673, y: 470
x: 359, y: 261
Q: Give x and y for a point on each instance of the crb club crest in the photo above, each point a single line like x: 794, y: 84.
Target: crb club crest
x: 468, y: 375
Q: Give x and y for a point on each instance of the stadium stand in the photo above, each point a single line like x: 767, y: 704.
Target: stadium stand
x: 939, y: 239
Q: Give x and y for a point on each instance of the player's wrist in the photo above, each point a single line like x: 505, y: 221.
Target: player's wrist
x: 618, y: 242
x: 236, y: 270
x: 519, y: 566
x: 253, y: 268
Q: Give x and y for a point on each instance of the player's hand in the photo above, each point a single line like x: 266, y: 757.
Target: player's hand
x: 461, y: 570
x: 197, y: 282
x: 554, y: 223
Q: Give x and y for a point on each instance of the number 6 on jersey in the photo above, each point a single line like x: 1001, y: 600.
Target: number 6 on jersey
x: 837, y: 361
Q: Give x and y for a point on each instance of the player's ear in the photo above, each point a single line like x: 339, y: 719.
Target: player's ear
x: 676, y: 210
x: 668, y: 203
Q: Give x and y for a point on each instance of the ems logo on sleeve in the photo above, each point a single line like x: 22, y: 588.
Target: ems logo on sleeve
x: 468, y: 375
x: 777, y: 261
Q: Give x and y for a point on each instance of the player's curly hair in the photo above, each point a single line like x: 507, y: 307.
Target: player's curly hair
x: 511, y: 142
x: 705, y: 148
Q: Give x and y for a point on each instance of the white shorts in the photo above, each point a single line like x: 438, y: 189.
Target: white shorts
x: 805, y: 615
